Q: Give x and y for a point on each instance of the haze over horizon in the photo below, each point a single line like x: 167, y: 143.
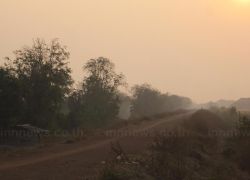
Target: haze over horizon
x: 194, y: 48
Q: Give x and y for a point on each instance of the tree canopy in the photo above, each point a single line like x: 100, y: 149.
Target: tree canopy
x: 149, y: 101
x: 99, y: 97
x: 36, y: 88
x: 44, y: 76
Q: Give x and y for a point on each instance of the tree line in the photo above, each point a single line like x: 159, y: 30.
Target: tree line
x: 36, y: 87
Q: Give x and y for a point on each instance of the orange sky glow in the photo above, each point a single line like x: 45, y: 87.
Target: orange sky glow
x: 194, y: 48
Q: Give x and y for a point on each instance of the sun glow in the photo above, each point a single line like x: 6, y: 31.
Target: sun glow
x: 244, y: 1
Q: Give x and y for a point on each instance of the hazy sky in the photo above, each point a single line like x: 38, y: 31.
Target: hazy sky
x: 195, y: 48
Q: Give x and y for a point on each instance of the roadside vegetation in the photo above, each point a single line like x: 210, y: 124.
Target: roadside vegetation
x: 197, y: 155
x: 36, y: 88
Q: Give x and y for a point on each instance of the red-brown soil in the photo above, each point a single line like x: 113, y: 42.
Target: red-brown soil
x: 78, y: 160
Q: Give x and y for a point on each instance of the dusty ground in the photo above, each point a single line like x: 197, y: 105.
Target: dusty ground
x: 79, y: 160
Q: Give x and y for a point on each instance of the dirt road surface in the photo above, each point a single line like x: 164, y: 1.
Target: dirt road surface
x: 80, y: 160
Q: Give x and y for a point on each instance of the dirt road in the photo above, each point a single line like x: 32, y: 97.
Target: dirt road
x: 81, y: 160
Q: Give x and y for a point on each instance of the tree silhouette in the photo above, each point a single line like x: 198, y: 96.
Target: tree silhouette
x: 44, y: 78
x: 99, y: 100
x: 11, y: 102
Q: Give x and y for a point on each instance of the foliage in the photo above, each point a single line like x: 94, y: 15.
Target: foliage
x: 98, y: 100
x: 177, y: 157
x: 174, y: 102
x: 148, y: 101
x: 244, y: 124
x: 76, y: 109
x: 237, y: 148
x: 11, y: 102
x: 44, y: 76
x: 228, y: 115
x: 168, y: 158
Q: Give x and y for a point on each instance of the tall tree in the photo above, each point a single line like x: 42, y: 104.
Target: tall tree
x: 99, y: 94
x: 45, y: 80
